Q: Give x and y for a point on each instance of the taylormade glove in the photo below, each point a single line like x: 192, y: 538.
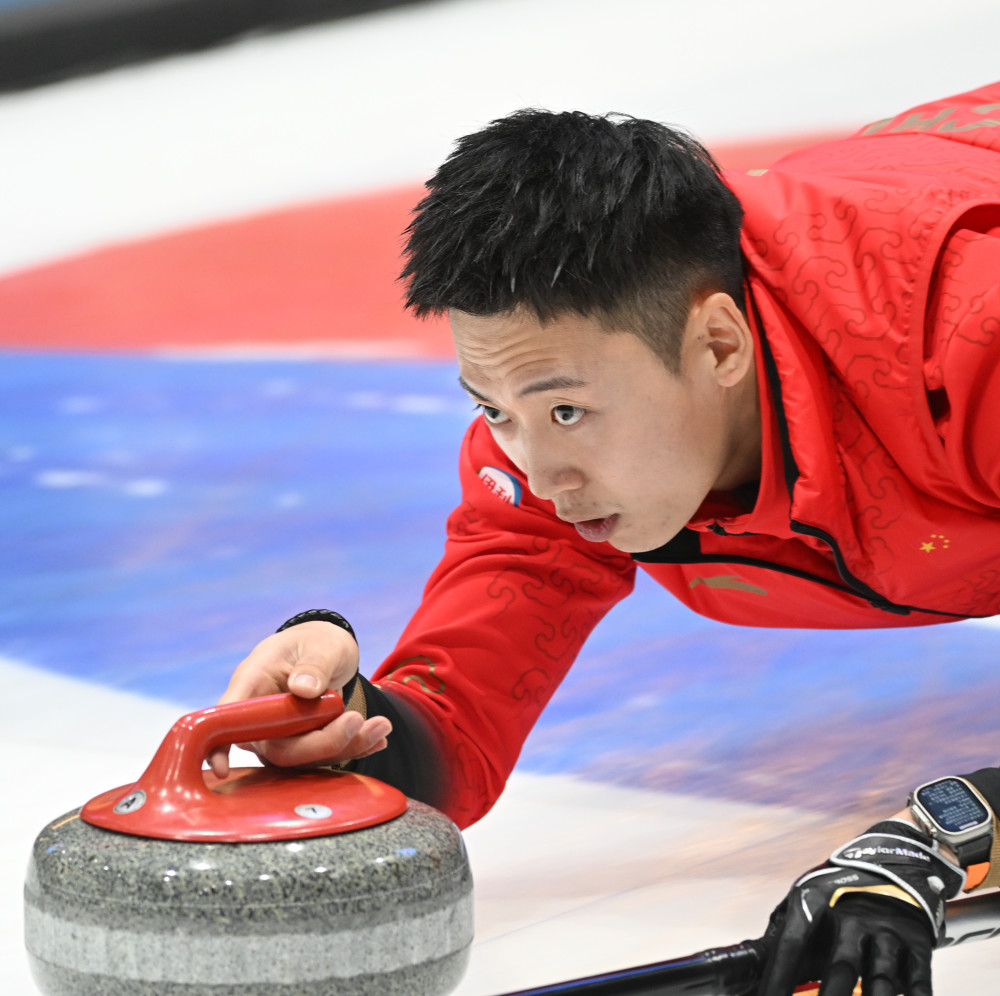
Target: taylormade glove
x: 874, y: 911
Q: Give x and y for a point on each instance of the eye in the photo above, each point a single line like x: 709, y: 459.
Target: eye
x: 493, y: 415
x: 567, y: 414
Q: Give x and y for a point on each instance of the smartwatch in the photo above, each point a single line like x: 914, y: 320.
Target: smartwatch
x: 954, y: 813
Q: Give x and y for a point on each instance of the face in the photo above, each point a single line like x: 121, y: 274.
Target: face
x: 625, y: 449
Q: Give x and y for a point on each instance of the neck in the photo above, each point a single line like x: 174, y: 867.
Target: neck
x: 744, y: 464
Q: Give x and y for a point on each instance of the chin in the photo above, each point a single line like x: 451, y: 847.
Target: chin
x: 627, y: 545
x: 641, y: 543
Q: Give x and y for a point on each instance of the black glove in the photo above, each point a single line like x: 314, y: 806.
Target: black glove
x: 874, y: 911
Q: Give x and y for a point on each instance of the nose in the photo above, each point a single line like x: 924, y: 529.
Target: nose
x: 549, y: 469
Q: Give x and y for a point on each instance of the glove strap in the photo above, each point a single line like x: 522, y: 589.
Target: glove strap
x: 908, y: 858
x: 890, y: 890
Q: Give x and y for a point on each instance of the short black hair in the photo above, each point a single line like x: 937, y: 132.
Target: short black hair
x: 609, y: 216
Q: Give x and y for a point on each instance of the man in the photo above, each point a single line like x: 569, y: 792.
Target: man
x: 772, y: 392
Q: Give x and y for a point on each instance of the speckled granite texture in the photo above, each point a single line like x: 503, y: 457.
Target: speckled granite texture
x: 383, y: 910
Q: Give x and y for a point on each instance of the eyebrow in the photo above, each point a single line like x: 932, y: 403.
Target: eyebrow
x: 536, y: 387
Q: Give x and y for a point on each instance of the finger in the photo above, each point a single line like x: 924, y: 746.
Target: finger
x: 309, y: 680
x: 323, y: 656
x: 880, y: 986
x: 839, y: 980
x: 781, y: 973
x: 373, y: 749
x: 847, y: 959
x: 918, y: 971
x: 305, y: 660
x: 315, y: 747
x: 881, y: 974
x: 218, y: 761
x: 264, y: 671
x: 343, y: 739
x: 372, y: 737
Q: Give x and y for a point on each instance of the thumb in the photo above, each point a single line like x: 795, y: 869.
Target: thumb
x: 319, y: 668
x: 306, y: 682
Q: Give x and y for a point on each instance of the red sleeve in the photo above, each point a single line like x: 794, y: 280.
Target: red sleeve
x: 502, y: 618
x: 962, y: 366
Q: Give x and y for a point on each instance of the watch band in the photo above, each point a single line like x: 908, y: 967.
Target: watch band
x: 973, y: 852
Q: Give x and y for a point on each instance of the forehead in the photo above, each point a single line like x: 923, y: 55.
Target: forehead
x: 517, y: 345
x: 486, y: 331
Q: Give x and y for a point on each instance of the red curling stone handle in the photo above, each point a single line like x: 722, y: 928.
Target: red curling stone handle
x: 179, y: 759
x: 176, y: 799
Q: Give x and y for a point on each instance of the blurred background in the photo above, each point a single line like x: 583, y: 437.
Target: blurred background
x: 214, y: 414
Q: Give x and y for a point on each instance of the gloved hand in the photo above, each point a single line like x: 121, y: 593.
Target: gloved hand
x: 874, y: 911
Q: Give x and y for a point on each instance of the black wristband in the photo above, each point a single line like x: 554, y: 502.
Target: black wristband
x: 318, y: 615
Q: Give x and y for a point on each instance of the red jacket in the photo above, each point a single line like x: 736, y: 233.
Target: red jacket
x: 874, y: 293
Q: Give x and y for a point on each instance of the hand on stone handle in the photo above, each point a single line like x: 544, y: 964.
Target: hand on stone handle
x: 305, y: 660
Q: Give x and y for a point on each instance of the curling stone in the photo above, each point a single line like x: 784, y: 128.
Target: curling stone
x: 269, y: 882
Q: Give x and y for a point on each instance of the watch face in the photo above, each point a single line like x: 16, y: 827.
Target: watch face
x: 952, y: 805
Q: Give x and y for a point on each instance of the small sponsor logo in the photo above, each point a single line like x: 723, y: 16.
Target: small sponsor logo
x: 877, y: 850
x: 731, y: 581
x: 500, y: 483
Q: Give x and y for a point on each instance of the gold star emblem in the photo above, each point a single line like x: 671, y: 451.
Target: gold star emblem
x: 930, y: 546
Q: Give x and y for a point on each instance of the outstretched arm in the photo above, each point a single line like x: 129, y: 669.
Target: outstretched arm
x: 501, y: 620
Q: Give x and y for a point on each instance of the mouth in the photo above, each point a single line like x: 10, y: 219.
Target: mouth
x: 597, y: 530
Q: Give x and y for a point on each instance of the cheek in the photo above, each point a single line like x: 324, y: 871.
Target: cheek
x: 663, y: 464
x: 509, y: 447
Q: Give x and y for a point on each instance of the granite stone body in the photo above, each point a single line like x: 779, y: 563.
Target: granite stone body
x: 382, y: 910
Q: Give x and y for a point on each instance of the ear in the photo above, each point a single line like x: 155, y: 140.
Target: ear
x: 722, y: 338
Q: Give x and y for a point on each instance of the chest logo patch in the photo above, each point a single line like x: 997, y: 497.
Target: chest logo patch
x: 732, y: 582
x: 500, y: 483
